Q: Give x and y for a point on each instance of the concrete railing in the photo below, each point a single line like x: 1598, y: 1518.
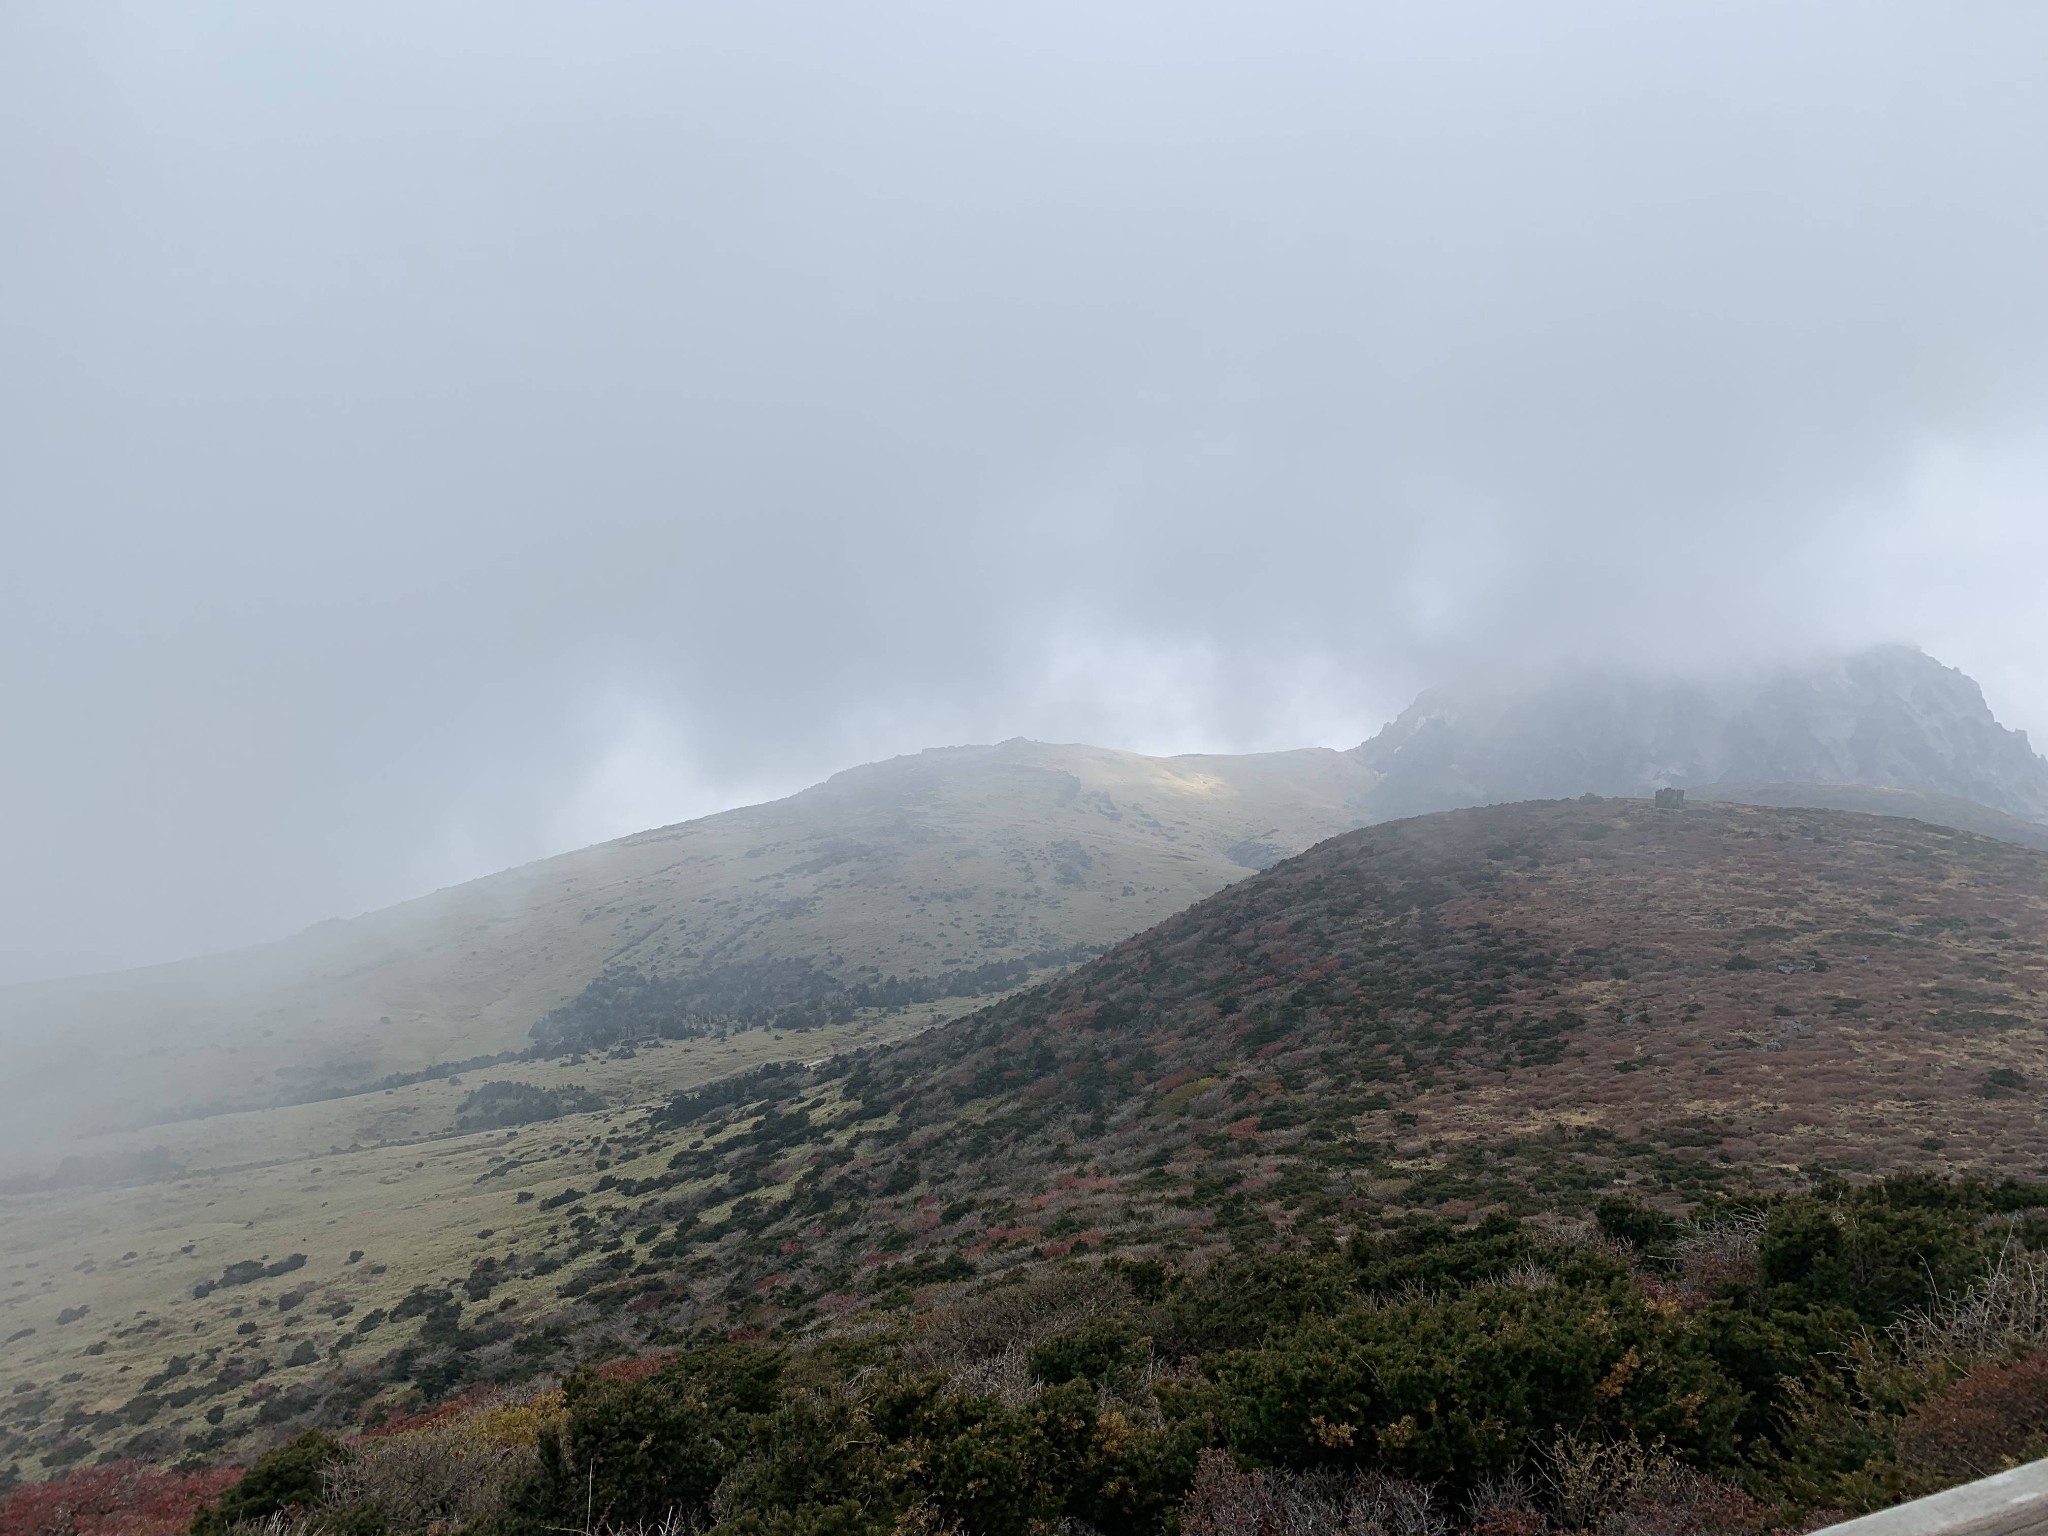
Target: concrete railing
x: 2013, y: 1503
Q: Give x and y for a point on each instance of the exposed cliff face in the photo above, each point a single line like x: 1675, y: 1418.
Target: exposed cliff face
x: 1889, y: 717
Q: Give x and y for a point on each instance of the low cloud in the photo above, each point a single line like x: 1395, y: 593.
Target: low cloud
x: 432, y: 439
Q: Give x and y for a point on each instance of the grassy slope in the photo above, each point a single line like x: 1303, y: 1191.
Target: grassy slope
x: 914, y: 866
x: 324, y: 1180
x: 1504, y: 1008
x: 1510, y: 1009
x: 911, y: 867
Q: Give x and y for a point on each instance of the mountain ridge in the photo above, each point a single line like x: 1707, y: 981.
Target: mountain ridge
x: 955, y: 858
x: 910, y: 866
x: 1887, y: 717
x: 1468, y: 1032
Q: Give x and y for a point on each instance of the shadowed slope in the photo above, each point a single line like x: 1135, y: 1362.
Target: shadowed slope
x: 1795, y: 989
x: 1515, y: 1008
x: 914, y: 867
x: 948, y: 870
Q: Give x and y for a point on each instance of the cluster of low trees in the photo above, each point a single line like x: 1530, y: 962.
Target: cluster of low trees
x: 493, y: 1106
x: 625, y: 1003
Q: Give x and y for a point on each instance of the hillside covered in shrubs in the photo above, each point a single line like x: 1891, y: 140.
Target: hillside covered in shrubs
x: 1576, y: 1166
x: 1761, y: 1366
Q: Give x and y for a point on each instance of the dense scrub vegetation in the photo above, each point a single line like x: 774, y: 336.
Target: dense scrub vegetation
x: 1754, y: 1366
x: 624, y: 1003
x: 246, y: 1271
x: 493, y: 1106
x: 121, y: 1498
x: 1453, y: 1172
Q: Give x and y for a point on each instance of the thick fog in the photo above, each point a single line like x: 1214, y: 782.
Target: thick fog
x: 433, y: 436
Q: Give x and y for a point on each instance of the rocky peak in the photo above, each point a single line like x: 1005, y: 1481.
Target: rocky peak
x: 1890, y: 716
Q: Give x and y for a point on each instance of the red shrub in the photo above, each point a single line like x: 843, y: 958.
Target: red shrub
x: 124, y: 1498
x: 406, y: 1423
x: 1994, y: 1418
x: 638, y: 1368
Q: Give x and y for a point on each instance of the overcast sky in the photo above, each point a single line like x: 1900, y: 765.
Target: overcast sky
x: 436, y: 435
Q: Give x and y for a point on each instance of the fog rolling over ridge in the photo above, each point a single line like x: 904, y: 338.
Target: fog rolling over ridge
x: 437, y: 438
x: 927, y: 867
x: 1889, y: 717
x: 972, y: 770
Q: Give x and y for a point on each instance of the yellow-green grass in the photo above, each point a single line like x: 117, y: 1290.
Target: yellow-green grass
x: 924, y: 865
x: 407, y: 1194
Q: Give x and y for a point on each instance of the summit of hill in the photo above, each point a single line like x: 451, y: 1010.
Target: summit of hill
x: 930, y: 867
x: 949, y: 876
x: 1888, y: 718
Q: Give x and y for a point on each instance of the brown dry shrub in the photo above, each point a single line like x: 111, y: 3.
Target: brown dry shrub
x: 634, y: 1367
x: 282, y: 1523
x: 121, y: 1498
x: 1995, y: 1417
x: 2003, y: 1314
x: 1226, y: 1501
x: 1504, y: 1505
x: 670, y: 1524
x: 447, y: 1473
x: 1624, y: 1488
x: 1709, y: 1258
x: 983, y: 1344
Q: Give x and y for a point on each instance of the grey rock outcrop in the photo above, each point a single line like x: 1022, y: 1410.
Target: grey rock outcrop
x: 1890, y: 717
